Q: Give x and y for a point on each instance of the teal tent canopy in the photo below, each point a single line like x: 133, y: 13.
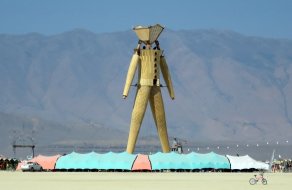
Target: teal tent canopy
x: 209, y: 160
x: 120, y: 161
x: 161, y: 161
x: 93, y: 160
x: 78, y: 161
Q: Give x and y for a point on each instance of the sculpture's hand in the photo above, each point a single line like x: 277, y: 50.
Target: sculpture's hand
x: 124, y: 96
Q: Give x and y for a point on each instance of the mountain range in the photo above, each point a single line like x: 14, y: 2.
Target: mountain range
x: 66, y: 89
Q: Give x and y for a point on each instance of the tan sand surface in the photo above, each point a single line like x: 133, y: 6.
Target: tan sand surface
x: 140, y: 181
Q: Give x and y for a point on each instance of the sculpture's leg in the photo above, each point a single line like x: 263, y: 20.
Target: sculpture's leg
x: 157, y: 108
x: 138, y: 113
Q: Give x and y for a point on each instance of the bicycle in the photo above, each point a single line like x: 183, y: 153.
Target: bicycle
x: 257, y: 178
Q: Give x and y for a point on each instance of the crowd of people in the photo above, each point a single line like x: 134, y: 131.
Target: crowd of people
x: 282, y: 166
x: 8, y: 164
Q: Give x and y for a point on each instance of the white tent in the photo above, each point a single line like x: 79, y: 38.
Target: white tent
x: 246, y: 162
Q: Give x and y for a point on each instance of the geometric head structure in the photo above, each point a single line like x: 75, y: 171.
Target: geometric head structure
x: 150, y: 64
x: 148, y: 35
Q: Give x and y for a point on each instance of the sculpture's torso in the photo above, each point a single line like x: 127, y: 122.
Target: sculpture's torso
x: 149, y: 68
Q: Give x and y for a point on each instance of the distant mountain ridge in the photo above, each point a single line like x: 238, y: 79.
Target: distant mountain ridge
x: 229, y: 87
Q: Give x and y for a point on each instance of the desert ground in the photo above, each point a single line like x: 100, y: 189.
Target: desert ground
x: 120, y: 181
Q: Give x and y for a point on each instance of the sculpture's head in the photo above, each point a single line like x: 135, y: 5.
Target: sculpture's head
x: 148, y: 35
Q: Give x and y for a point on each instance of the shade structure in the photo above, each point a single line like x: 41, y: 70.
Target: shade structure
x: 75, y: 160
x: 162, y: 161
x: 93, y: 160
x: 47, y: 162
x: 208, y: 160
x: 158, y: 161
x: 119, y: 161
x: 246, y: 162
x: 142, y: 162
x: 172, y: 160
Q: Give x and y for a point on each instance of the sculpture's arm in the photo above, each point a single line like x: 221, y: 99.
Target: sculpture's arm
x: 166, y: 76
x: 131, y: 73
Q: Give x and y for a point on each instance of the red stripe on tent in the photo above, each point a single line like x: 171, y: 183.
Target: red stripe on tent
x: 142, y: 162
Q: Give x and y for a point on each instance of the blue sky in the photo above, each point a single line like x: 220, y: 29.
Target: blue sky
x: 265, y: 18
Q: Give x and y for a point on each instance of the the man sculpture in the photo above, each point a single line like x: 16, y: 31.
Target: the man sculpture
x: 148, y: 61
